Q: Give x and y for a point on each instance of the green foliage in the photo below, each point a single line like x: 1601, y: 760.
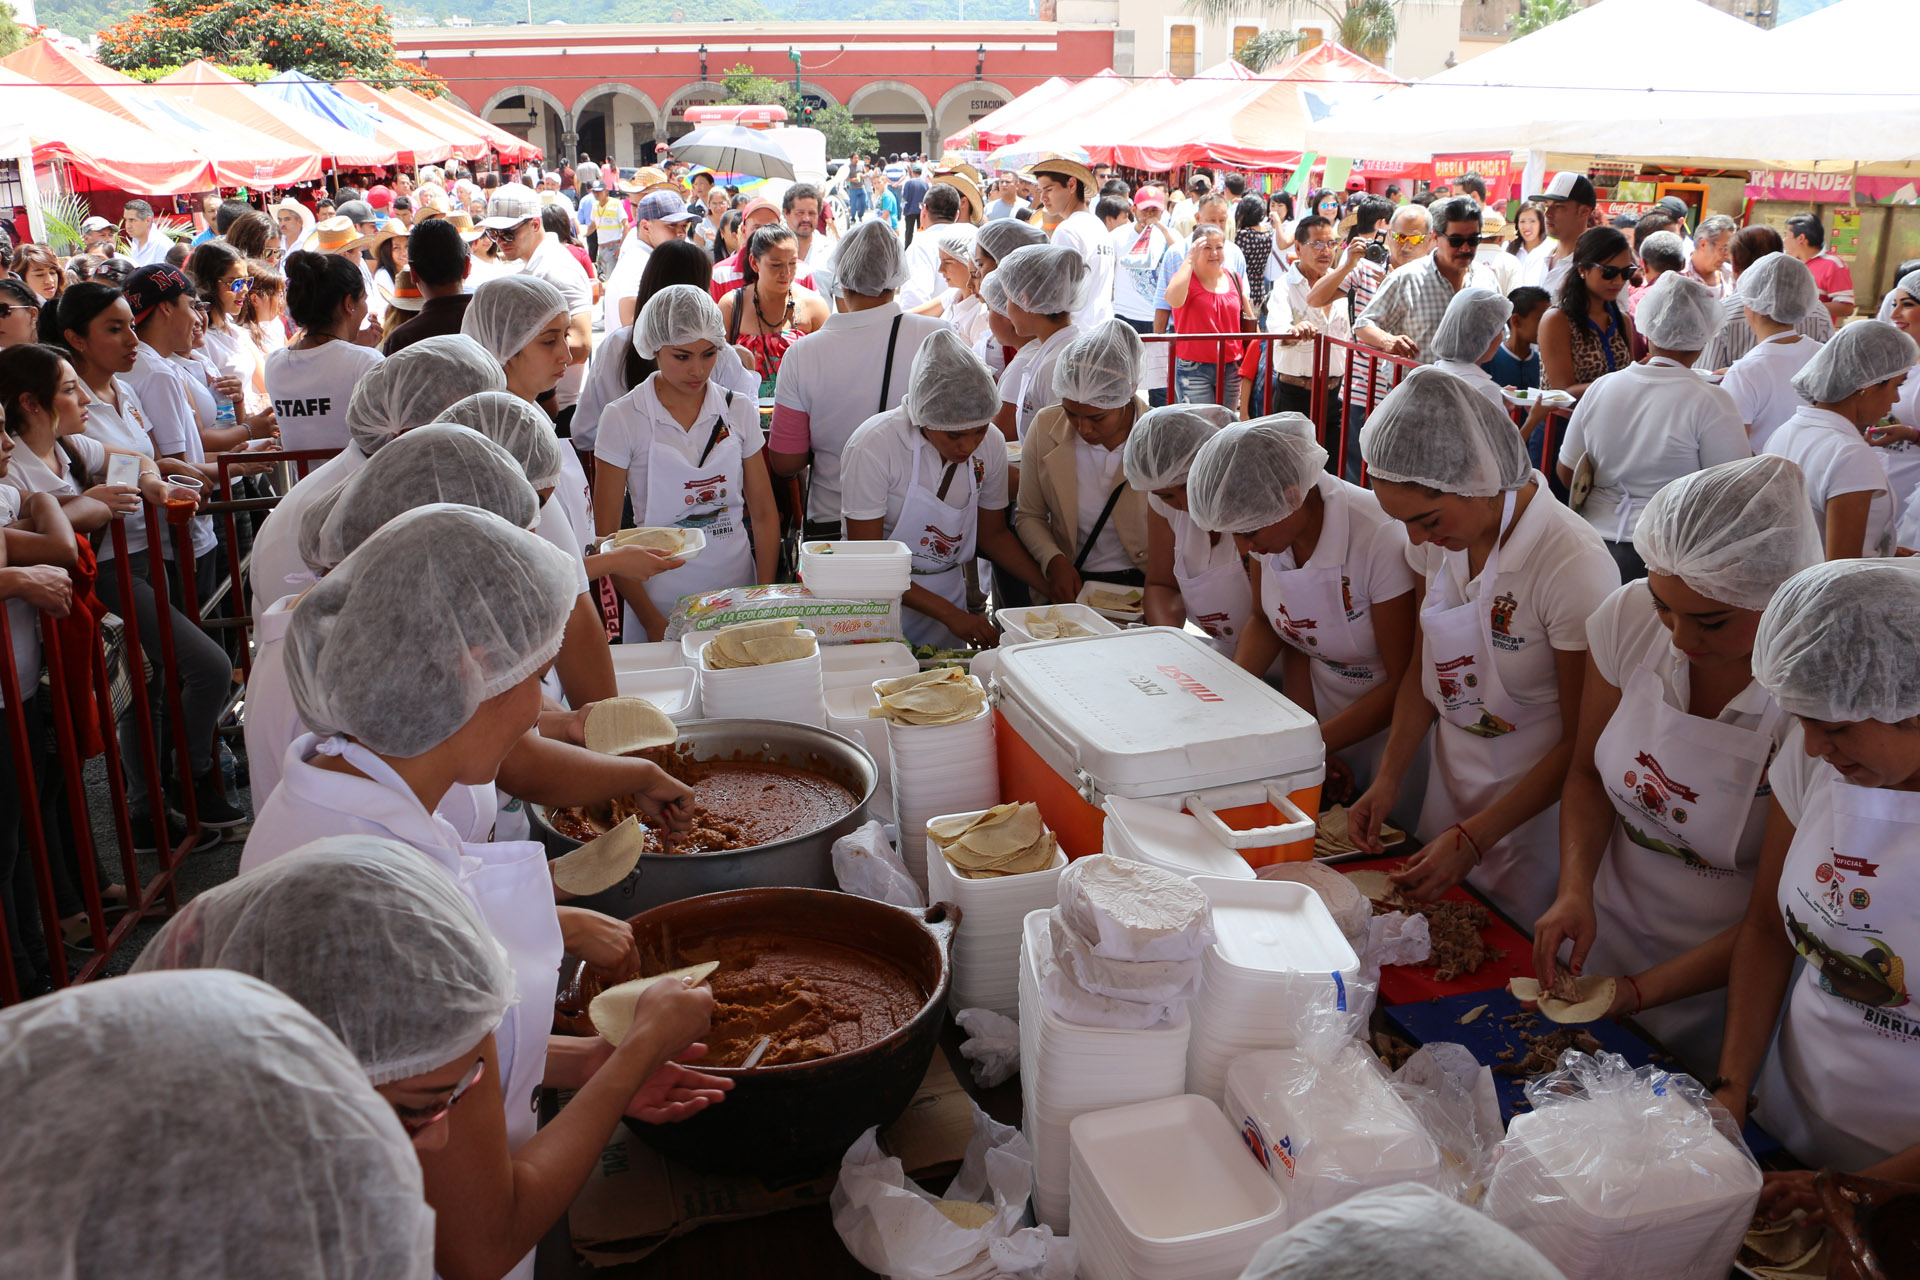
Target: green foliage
x: 1368, y: 27
x: 1535, y: 14
x: 63, y: 215
x: 13, y: 37
x: 845, y: 135
x: 326, y: 39
x: 252, y: 72
x: 1270, y: 48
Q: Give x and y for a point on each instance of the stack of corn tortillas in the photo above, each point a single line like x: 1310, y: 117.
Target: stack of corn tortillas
x: 1330, y: 836
x: 1052, y: 625
x: 945, y: 695
x: 1006, y: 840
x: 612, y: 1010
x: 619, y: 726
x: 759, y: 644
x: 667, y: 541
x: 600, y: 863
x: 1120, y: 600
x: 1570, y: 999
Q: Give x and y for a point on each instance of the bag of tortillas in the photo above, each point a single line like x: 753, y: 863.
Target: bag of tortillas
x: 891, y: 1226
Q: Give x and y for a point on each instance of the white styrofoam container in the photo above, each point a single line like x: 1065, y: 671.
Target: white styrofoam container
x: 1275, y: 926
x: 856, y: 570
x: 1170, y: 840
x: 1014, y: 621
x: 1154, y: 711
x: 675, y: 690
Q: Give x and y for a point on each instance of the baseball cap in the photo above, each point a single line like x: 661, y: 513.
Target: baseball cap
x: 1149, y: 198
x: 1568, y: 185
x: 151, y: 285
x: 380, y: 197
x: 756, y: 205
x: 1673, y: 205
x: 96, y: 223
x: 354, y: 211
x: 663, y: 206
x: 511, y: 205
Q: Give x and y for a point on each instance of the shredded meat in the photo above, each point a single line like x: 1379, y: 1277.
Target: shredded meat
x: 1459, y: 949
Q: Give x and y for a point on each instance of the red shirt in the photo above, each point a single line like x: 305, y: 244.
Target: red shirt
x: 1833, y: 279
x: 1208, y: 312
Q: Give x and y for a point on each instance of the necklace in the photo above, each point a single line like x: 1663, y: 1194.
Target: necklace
x: 765, y: 326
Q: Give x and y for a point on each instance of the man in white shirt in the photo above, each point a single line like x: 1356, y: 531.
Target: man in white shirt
x: 941, y: 205
x: 801, y: 210
x: 1289, y: 308
x: 146, y: 243
x: 1570, y: 202
x: 1711, y: 260
x: 513, y: 221
x: 1068, y: 188
x: 1006, y: 202
x: 659, y: 215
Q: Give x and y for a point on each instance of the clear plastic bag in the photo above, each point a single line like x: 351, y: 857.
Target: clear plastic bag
x: 1625, y: 1171
x: 892, y: 1226
x: 834, y: 621
x: 865, y: 864
x: 992, y: 1045
x: 1454, y: 1097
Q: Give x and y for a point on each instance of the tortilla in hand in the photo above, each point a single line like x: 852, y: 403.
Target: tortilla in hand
x: 601, y: 862
x: 1591, y: 997
x: 619, y: 726
x: 612, y: 1010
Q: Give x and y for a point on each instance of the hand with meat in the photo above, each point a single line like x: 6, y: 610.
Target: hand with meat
x: 1569, y: 919
x: 1443, y: 863
x: 666, y: 801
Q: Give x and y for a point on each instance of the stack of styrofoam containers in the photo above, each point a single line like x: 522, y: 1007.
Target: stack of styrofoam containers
x: 1014, y: 621
x: 1067, y: 1070
x: 856, y: 570
x: 788, y: 691
x: 660, y: 674
x: 1163, y: 1189
x: 1162, y: 836
x: 1327, y: 1125
x: 993, y: 914
x: 1637, y: 1180
x: 1277, y: 958
x: 939, y: 768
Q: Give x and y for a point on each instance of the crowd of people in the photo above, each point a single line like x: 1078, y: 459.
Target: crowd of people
x: 1655, y: 694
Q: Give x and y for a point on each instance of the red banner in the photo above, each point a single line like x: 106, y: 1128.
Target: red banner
x: 1494, y: 166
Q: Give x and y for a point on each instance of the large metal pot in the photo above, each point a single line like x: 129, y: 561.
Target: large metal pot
x: 798, y: 1119
x: 804, y: 860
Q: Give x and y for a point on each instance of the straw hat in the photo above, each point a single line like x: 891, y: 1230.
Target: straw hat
x: 953, y: 163
x: 464, y: 221
x: 967, y: 187
x: 1061, y: 167
x: 335, y: 235
x: 405, y: 294
x: 643, y: 181
x: 1492, y: 223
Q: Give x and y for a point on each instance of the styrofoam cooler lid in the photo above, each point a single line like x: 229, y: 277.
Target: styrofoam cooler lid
x: 1157, y: 711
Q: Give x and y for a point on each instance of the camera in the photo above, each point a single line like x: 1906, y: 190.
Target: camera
x: 1376, y: 251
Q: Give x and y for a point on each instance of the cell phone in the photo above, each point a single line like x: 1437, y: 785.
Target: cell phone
x: 123, y: 468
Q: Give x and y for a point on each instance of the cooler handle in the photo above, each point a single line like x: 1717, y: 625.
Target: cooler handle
x: 1297, y: 827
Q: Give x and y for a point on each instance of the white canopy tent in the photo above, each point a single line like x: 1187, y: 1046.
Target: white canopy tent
x: 1626, y: 78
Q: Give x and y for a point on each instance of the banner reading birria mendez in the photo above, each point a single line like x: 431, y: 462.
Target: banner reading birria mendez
x: 1829, y: 188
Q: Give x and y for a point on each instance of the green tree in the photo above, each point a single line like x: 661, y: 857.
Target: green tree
x: 1535, y: 14
x: 1270, y: 48
x: 1368, y: 27
x: 845, y: 135
x: 326, y: 39
x: 13, y: 36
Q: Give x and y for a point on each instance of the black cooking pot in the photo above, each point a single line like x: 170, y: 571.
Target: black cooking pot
x: 798, y: 1119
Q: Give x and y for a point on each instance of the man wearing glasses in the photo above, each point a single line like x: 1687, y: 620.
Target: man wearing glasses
x: 513, y: 223
x: 1569, y: 201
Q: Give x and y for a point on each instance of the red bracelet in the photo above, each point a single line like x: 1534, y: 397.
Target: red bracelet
x: 1639, y: 1001
x: 1478, y: 856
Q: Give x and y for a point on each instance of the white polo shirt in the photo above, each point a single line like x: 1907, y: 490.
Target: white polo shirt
x: 631, y: 425
x: 878, y: 471
x: 1087, y: 236
x: 311, y: 387
x: 623, y: 282
x: 551, y: 262
x: 607, y: 382
x: 1837, y: 460
x: 164, y: 394
x: 1761, y: 384
x: 23, y: 620
x: 121, y: 426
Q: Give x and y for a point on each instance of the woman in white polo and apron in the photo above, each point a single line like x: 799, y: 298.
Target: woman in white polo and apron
x: 690, y: 455
x: 1332, y: 596
x: 1193, y: 574
x: 1666, y: 801
x: 933, y: 474
x: 1835, y: 912
x: 1511, y: 577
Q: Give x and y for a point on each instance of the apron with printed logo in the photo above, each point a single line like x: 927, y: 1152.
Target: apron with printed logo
x: 942, y: 540
x: 1212, y: 578
x: 708, y: 496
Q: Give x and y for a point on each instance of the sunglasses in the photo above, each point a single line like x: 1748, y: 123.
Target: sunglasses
x: 1461, y: 242
x: 8, y: 308
x: 1607, y: 273
x: 239, y: 286
x: 417, y: 1119
x: 1418, y: 237
x: 504, y: 236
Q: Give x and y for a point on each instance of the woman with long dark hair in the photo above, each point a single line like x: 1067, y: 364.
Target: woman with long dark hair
x: 770, y: 311
x: 1588, y: 334
x: 312, y: 378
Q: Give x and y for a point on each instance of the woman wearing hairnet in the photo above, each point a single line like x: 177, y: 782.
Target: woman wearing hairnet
x: 1837, y: 886
x: 1042, y: 285
x: 1007, y: 355
x: 417, y: 663
x: 958, y: 302
x: 1900, y: 441
x: 412, y: 389
x: 933, y: 474
x: 1848, y: 387
x: 1665, y: 804
x: 1469, y: 334
x: 177, y: 1126
x: 374, y: 940
x: 1643, y: 427
x: 690, y: 456
x: 1332, y: 595
x: 1777, y: 292
x: 1076, y: 513
x: 1194, y: 574
x: 1511, y: 577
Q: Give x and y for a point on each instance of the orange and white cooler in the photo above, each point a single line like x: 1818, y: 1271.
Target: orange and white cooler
x: 1156, y: 714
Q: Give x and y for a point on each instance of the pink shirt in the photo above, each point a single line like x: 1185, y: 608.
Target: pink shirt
x: 1834, y: 280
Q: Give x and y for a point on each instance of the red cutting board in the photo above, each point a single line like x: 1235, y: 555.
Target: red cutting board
x: 1404, y: 984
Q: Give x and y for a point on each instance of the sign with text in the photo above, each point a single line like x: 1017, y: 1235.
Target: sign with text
x: 1494, y: 166
x: 1792, y: 184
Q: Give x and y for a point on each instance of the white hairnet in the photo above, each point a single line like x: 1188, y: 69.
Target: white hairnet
x: 1396, y: 1232
x: 1045, y: 279
x: 1161, y: 447
x: 177, y: 1126
x: 1474, y: 319
x: 440, y: 462
x: 1836, y: 642
x: 868, y: 261
x: 1780, y: 287
x: 1252, y: 475
x: 955, y: 239
x: 438, y: 611
x: 1101, y: 368
x: 678, y: 316
x: 508, y: 312
x: 1002, y: 236
x: 1860, y: 355
x: 1734, y: 532
x: 1292, y: 423
x: 1435, y: 430
x: 1678, y: 313
x: 950, y: 389
x: 522, y: 429
x: 994, y: 294
x: 416, y: 384
x: 368, y: 935
x: 1910, y: 285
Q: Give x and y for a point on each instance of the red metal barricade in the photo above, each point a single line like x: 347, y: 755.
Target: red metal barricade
x: 227, y: 510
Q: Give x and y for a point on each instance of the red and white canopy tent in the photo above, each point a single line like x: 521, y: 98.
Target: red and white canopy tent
x: 1087, y: 96
x: 506, y: 145
x: 106, y: 150
x: 208, y: 87
x: 1003, y: 122
x: 458, y: 139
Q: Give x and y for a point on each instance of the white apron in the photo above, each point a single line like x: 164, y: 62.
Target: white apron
x: 942, y: 539
x: 1837, y: 1085
x: 1211, y: 576
x: 1485, y: 740
x: 1691, y: 798
x: 509, y: 884
x: 1623, y: 509
x: 711, y: 498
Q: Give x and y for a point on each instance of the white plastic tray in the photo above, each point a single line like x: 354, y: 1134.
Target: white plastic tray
x: 672, y: 689
x: 1014, y: 621
x: 1275, y: 926
x: 696, y: 541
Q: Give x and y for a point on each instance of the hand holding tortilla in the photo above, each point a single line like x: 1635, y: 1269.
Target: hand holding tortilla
x: 612, y: 1010
x: 602, y: 862
x: 1568, y: 999
x: 622, y: 726
x: 759, y: 644
x: 1006, y: 840
x: 667, y: 541
x: 945, y: 695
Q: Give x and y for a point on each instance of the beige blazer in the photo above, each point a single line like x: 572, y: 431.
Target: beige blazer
x: 1047, y: 517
